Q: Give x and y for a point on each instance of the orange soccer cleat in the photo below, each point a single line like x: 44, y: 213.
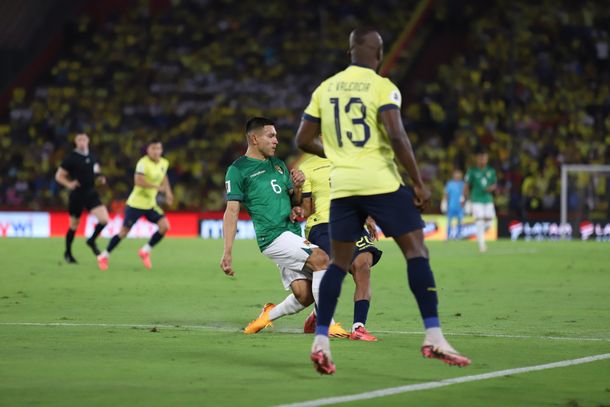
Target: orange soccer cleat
x: 361, y: 334
x: 309, y: 326
x: 102, y: 262
x: 261, y: 322
x: 447, y: 356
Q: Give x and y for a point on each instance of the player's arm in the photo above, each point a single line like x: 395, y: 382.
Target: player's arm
x: 97, y: 171
x: 140, y: 180
x: 166, y: 188
x: 494, y: 184
x: 466, y: 191
x: 309, y: 129
x: 307, y: 137
x: 404, y: 152
x: 63, y: 178
x: 307, y: 205
x: 229, y: 229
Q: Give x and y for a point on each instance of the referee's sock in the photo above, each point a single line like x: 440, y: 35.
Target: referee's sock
x: 69, y: 239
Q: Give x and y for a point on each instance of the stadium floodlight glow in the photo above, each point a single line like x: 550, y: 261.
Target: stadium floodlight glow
x: 566, y: 169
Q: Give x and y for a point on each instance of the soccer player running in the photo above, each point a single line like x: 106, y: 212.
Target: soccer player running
x: 316, y: 208
x: 358, y: 113
x: 78, y: 172
x: 479, y: 188
x: 149, y: 179
x: 453, y: 203
x: 271, y: 195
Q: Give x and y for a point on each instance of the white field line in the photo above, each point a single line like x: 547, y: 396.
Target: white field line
x: 218, y: 328
x: 442, y: 383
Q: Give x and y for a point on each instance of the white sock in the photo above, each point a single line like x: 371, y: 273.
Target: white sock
x: 480, y: 224
x: 356, y: 326
x: 316, y: 279
x: 146, y: 248
x: 435, y: 337
x: 104, y: 254
x: 287, y: 307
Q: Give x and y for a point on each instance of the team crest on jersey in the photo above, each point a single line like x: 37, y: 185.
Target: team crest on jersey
x: 279, y: 169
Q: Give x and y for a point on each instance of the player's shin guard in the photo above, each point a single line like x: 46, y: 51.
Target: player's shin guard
x: 330, y: 288
x: 287, y: 307
x: 155, y: 238
x: 421, y: 282
x: 69, y: 239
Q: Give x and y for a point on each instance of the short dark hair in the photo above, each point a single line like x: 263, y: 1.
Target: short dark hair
x: 361, y: 32
x: 255, y: 123
x: 154, y: 141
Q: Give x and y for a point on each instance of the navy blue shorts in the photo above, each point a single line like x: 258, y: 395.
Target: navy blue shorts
x: 394, y: 212
x: 132, y: 215
x: 320, y: 236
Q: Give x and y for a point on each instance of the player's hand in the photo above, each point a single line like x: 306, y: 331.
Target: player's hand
x: 226, y: 265
x: 371, y: 227
x: 298, y: 178
x: 72, y: 185
x: 295, y: 213
x: 422, y: 196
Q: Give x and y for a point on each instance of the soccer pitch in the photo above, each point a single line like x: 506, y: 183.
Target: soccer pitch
x: 73, y: 335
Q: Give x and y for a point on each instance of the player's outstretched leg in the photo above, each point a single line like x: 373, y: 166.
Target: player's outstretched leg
x: 101, y: 213
x: 102, y: 258
x: 144, y: 252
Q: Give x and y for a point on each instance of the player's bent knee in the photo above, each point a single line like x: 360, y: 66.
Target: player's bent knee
x: 318, y: 260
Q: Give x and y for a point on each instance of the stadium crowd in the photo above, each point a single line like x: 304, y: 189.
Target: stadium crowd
x: 531, y: 85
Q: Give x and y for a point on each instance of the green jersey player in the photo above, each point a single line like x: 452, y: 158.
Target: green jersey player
x: 271, y: 194
x: 479, y: 187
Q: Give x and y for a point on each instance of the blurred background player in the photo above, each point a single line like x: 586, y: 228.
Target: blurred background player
x: 316, y: 208
x: 358, y: 113
x: 269, y: 192
x: 479, y: 188
x: 78, y: 172
x: 453, y: 203
x: 149, y: 179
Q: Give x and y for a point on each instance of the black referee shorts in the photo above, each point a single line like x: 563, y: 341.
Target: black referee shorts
x: 80, y: 200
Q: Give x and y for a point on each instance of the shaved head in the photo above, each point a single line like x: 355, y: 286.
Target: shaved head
x: 366, y: 47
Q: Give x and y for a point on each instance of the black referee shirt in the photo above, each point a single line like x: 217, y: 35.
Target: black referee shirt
x: 80, y: 167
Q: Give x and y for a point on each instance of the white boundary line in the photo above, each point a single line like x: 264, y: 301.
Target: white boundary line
x: 218, y: 328
x: 442, y: 383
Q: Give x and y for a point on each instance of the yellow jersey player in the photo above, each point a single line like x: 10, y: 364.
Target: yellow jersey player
x: 316, y: 208
x: 358, y: 114
x: 149, y: 179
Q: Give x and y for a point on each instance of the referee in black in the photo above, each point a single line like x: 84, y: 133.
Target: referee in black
x: 78, y: 172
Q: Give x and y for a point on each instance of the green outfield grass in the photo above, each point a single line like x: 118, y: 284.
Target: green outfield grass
x: 171, y: 336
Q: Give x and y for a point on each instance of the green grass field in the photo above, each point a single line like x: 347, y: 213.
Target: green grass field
x: 72, y: 335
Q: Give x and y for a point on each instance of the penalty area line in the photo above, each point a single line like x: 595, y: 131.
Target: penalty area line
x: 443, y: 383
